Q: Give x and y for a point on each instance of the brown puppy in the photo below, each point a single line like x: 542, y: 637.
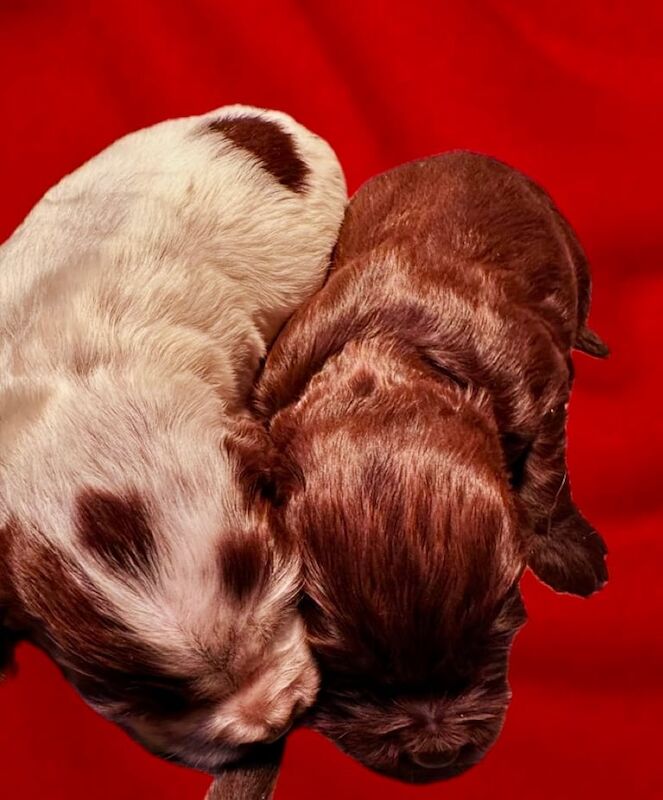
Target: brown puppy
x: 420, y: 403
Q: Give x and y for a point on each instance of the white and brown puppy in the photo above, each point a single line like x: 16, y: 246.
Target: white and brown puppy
x: 136, y: 301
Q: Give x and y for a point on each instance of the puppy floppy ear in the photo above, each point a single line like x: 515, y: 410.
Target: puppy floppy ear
x: 591, y: 343
x: 570, y: 555
x: 563, y: 549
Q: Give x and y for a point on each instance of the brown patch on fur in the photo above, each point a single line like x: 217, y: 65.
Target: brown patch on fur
x: 457, y: 293
x: 117, y: 530
x: 245, y: 562
x: 270, y: 144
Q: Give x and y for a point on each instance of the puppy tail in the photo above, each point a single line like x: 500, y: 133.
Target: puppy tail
x: 591, y: 343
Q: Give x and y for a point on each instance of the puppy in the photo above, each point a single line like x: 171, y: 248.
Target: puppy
x: 419, y: 400
x: 136, y: 301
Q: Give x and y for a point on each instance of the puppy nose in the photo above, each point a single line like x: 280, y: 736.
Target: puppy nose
x: 435, y: 759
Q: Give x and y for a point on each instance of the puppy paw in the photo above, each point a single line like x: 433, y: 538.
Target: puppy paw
x: 570, y: 558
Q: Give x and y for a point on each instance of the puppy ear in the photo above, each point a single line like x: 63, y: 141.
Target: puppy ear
x: 570, y: 557
x: 563, y: 549
x: 591, y: 343
x: 252, y: 778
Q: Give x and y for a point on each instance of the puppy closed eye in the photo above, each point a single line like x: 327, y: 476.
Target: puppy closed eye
x: 139, y: 693
x: 516, y: 452
x: 164, y: 697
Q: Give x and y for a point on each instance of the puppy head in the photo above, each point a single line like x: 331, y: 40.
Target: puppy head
x: 404, y: 515
x: 150, y: 572
x: 427, y: 730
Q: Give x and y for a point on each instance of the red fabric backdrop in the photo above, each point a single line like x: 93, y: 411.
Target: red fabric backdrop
x: 571, y: 93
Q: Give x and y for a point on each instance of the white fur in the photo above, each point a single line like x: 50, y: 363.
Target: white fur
x: 135, y: 303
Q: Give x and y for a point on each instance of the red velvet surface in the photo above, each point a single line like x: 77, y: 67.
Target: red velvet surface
x: 571, y: 93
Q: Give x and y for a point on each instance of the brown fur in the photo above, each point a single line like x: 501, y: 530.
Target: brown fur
x: 253, y: 778
x: 270, y: 144
x: 420, y: 403
x: 118, y: 531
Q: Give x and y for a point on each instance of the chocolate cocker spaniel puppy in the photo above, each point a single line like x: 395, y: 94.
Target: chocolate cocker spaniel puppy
x: 136, y: 301
x: 419, y: 401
